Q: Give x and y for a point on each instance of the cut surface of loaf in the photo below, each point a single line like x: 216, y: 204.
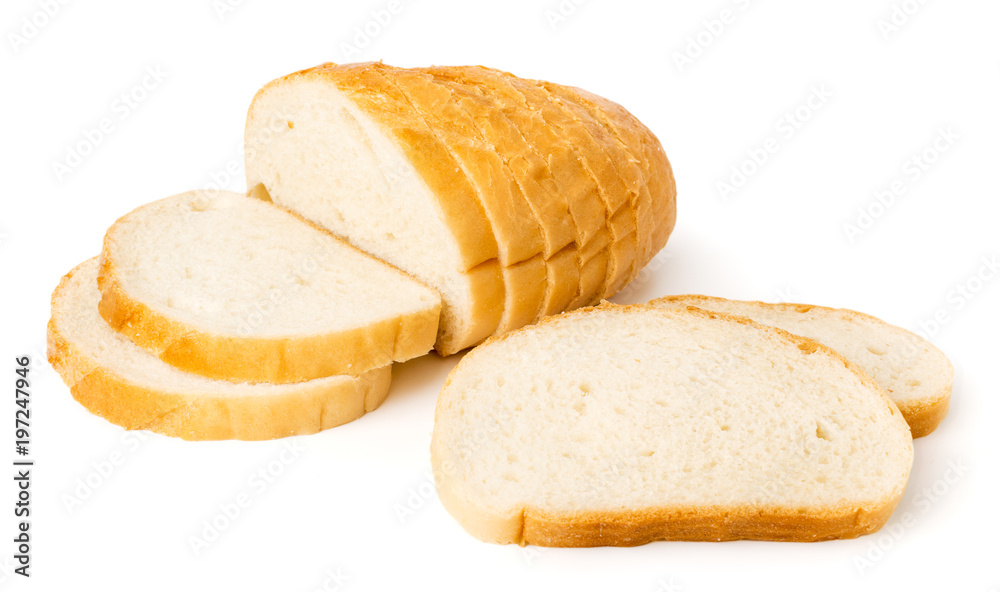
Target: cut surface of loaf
x: 353, y: 157
x: 123, y: 383
x: 480, y: 184
x: 916, y: 375
x: 624, y: 425
x: 232, y: 288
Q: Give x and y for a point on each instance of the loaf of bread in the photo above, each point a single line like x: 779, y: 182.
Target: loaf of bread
x: 231, y: 288
x: 513, y: 198
x: 915, y: 374
x: 623, y: 425
x: 123, y: 383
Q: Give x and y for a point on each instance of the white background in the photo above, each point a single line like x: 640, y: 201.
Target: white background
x: 779, y: 236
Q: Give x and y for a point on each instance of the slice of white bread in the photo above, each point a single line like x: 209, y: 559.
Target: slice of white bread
x: 123, y: 383
x: 623, y: 425
x: 358, y: 161
x: 232, y: 288
x: 916, y: 375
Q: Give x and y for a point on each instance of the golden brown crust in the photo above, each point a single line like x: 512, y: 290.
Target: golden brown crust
x: 277, y: 360
x: 657, y: 214
x: 922, y: 415
x: 563, y: 280
x: 573, y: 182
x: 531, y: 174
x: 660, y: 176
x: 525, y: 298
x: 529, y: 168
x: 519, y: 236
x: 605, y: 157
x: 304, y: 408
x: 597, y: 165
x: 638, y: 526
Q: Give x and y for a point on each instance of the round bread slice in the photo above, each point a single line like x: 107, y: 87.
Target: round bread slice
x: 123, y: 383
x: 624, y: 425
x: 232, y: 288
x: 917, y: 375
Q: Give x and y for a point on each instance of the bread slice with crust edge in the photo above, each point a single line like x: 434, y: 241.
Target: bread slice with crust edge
x: 636, y: 526
x: 122, y: 383
x: 923, y: 413
x: 471, y: 285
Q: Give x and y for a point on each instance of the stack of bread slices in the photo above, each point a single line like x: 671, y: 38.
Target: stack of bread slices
x: 389, y: 212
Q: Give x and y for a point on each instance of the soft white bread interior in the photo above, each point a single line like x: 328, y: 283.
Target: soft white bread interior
x: 123, y: 383
x: 232, y: 288
x: 325, y: 144
x: 915, y: 374
x: 622, y: 425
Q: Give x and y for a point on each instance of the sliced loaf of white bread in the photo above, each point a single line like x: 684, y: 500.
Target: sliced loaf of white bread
x: 623, y: 425
x: 123, y: 383
x: 493, y: 190
x: 916, y: 375
x: 232, y: 288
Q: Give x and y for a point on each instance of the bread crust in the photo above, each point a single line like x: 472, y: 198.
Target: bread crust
x: 629, y: 528
x: 519, y: 236
x: 922, y: 415
x: 636, y: 526
x: 605, y: 159
x: 564, y: 163
x: 276, y: 360
x: 304, y: 408
x: 655, y: 218
x: 531, y: 173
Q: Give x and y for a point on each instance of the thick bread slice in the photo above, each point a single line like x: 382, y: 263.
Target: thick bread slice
x: 623, y: 425
x: 339, y: 147
x: 564, y: 163
x: 519, y: 237
x: 532, y: 175
x: 655, y: 218
x: 232, y: 288
x: 916, y: 375
x: 121, y: 382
